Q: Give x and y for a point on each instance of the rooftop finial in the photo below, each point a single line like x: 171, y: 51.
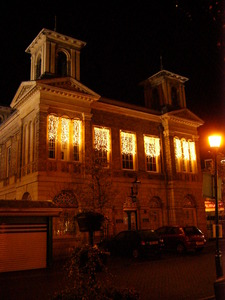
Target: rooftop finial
x: 55, y: 24
x: 161, y: 65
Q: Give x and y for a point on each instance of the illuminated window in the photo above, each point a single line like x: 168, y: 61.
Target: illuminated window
x: 152, y: 153
x: 128, y: 150
x: 67, y: 134
x: 185, y: 155
x: 102, y: 143
x: 53, y: 122
x: 65, y: 128
x: 76, y: 139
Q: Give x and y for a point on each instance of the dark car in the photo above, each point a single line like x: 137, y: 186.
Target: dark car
x: 182, y: 238
x: 134, y: 243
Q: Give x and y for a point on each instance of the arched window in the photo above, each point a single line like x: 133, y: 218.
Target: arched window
x: 61, y: 64
x: 38, y: 68
x: 155, y: 99
x: 65, y: 225
x: 26, y: 196
x: 174, y: 96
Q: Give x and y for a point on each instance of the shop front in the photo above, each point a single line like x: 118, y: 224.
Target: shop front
x: 210, y: 217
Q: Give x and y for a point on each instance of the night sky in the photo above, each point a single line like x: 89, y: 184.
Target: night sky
x: 124, y: 43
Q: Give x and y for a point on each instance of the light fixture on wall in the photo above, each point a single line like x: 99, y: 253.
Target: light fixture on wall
x: 134, y: 190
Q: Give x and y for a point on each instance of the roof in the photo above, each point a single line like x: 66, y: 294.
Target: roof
x: 28, y: 208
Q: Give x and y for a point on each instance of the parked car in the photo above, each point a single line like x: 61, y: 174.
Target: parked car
x: 134, y: 243
x: 182, y: 238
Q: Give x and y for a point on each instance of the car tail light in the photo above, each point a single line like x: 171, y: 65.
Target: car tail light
x: 161, y: 241
x: 143, y: 243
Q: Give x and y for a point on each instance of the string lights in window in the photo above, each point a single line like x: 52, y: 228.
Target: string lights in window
x: 101, y: 139
x: 53, y: 123
x: 76, y: 132
x: 128, y: 143
x: 178, y: 150
x: 184, y: 149
x: 65, y: 130
x: 192, y: 151
x: 152, y: 146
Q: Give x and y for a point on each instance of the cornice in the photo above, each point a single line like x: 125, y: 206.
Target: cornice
x: 183, y: 116
x: 187, y: 122
x: 46, y: 34
x: 126, y: 111
x: 162, y: 74
x: 24, y: 92
x: 66, y: 93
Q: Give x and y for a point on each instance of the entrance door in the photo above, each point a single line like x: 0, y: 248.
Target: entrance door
x: 132, y: 220
x: 154, y: 219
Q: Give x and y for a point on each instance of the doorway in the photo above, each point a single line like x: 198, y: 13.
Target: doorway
x: 131, y: 219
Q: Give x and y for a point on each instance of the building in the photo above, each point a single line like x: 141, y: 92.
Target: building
x: 63, y: 142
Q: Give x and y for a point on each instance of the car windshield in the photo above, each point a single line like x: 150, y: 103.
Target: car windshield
x: 192, y: 230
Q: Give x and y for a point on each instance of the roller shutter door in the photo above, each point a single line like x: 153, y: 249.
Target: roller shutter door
x: 23, y: 247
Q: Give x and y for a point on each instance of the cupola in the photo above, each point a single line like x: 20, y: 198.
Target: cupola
x: 164, y: 91
x: 54, y: 55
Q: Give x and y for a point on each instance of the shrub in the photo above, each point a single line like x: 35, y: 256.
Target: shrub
x: 83, y: 283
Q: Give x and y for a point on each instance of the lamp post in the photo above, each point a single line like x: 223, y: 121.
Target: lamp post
x: 214, y: 142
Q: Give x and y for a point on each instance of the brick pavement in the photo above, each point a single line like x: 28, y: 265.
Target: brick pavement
x: 188, y: 277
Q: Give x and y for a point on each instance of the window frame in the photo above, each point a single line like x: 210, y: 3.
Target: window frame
x: 55, y: 143
x: 189, y: 164
x: 102, y: 154
x: 132, y: 155
x: 52, y: 142
x: 156, y: 158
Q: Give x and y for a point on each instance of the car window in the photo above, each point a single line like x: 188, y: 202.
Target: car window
x: 161, y: 230
x: 120, y: 236
x: 147, y: 234
x: 192, y: 230
x: 131, y: 235
x: 172, y: 230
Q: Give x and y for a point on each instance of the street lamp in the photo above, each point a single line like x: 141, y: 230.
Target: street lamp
x: 214, y: 142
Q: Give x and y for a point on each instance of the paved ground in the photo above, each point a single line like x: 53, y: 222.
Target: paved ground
x: 189, y: 277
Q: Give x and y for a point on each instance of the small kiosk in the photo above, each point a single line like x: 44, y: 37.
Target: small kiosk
x: 26, y: 234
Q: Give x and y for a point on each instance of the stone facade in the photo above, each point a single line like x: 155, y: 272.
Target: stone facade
x: 131, y: 196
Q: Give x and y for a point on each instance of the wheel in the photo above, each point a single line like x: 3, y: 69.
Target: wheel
x: 135, y: 253
x: 180, y: 248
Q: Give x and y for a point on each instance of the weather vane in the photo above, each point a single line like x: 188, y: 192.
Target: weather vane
x: 161, y: 65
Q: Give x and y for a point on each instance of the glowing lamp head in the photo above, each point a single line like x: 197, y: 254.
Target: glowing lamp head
x: 214, y: 141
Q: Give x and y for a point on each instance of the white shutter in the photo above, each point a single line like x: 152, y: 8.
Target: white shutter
x: 23, y: 247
